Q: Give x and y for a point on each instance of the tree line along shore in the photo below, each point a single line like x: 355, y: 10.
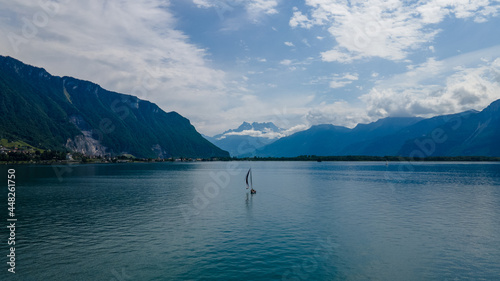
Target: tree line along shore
x: 64, y: 157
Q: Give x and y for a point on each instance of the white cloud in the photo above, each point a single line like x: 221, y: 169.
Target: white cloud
x: 295, y: 129
x: 388, y: 29
x: 289, y: 44
x: 352, y: 77
x: 204, y: 3
x: 342, y: 81
x: 257, y: 134
x: 286, y: 62
x: 339, y: 113
x: 338, y: 55
x: 255, y: 8
x: 339, y: 84
x: 132, y: 47
x: 268, y: 133
x: 300, y: 20
x: 420, y: 91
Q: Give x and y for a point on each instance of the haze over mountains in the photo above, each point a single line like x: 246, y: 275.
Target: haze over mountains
x: 469, y: 133
x: 51, y: 112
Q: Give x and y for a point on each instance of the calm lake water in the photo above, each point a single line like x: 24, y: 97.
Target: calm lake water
x: 308, y: 221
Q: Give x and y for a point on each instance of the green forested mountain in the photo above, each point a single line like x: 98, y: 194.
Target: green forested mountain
x: 58, y: 113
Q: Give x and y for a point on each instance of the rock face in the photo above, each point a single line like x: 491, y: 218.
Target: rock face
x: 57, y: 113
x: 86, y: 144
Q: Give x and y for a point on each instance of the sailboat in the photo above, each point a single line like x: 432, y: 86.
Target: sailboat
x: 248, y: 180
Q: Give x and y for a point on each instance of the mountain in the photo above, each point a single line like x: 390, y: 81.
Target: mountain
x: 391, y: 144
x: 328, y: 140
x: 52, y: 112
x: 247, y: 138
x: 469, y: 133
x: 317, y: 140
x: 365, y: 135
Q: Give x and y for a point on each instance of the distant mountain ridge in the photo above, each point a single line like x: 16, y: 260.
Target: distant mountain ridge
x: 469, y: 133
x: 54, y: 112
x: 265, y: 130
x: 247, y: 138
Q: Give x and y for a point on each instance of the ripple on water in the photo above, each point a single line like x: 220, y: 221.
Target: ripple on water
x: 308, y: 221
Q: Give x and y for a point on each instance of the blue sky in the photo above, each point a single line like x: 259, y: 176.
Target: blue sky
x: 295, y: 63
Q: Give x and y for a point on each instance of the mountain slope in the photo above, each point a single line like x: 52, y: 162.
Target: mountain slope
x: 391, y: 144
x: 62, y: 112
x: 327, y: 140
x: 321, y: 140
x: 470, y: 133
x: 377, y: 138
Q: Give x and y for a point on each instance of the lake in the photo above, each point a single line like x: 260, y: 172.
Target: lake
x: 308, y: 221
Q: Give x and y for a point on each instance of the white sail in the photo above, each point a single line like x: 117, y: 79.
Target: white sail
x: 249, y: 176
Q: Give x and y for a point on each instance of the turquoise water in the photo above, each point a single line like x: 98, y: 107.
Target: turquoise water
x: 308, y: 221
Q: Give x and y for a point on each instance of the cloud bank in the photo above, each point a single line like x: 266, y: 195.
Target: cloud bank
x: 386, y: 29
x: 417, y: 93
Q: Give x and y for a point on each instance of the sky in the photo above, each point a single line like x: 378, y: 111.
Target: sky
x: 294, y: 63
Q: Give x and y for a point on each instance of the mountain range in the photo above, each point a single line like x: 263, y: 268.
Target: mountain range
x: 247, y: 138
x: 469, y: 133
x: 65, y: 113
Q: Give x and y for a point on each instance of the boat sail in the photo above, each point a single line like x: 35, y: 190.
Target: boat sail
x: 248, y: 180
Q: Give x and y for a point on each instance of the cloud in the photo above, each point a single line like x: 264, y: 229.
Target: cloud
x: 339, y: 55
x: 346, y: 79
x: 254, y: 8
x: 295, y: 129
x: 300, y: 20
x: 385, y: 29
x: 283, y: 112
x: 251, y: 133
x: 339, y: 113
x: 268, y: 133
x: 289, y: 44
x: 131, y: 47
x: 286, y: 62
x: 254, y: 133
x: 420, y: 92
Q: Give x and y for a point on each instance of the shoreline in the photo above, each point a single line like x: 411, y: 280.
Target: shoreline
x: 307, y: 158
